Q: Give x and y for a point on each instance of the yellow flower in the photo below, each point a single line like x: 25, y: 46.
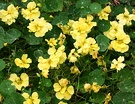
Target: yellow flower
x: 51, y: 42
x: 74, y: 70
x: 61, y: 102
x: 33, y: 99
x: 10, y: 15
x: 103, y: 14
x: 39, y: 26
x: 73, y: 56
x: 95, y: 87
x: 1, y: 98
x: 63, y: 82
x: 61, y: 39
x: 24, y: 62
x: 115, y: 29
x: 31, y: 12
x: 24, y: 0
x: 118, y: 65
x: 87, y: 87
x: 121, y: 43
x: 19, y: 82
x: 125, y: 18
x: 107, y: 99
x: 63, y: 91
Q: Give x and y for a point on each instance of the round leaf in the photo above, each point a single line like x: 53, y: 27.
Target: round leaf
x: 103, y: 25
x: 103, y: 42
x: 6, y: 88
x: 95, y: 7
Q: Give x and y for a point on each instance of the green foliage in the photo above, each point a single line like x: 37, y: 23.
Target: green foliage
x: 2, y: 64
x: 128, y: 98
x: 73, y: 22
x: 52, y: 6
x: 6, y: 88
x: 95, y: 7
x: 103, y: 42
x: 14, y: 98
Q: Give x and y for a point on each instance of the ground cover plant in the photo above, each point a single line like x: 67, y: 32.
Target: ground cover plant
x: 67, y: 51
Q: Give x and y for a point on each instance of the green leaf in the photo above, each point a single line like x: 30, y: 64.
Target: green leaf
x: 127, y: 86
x: 97, y: 98
x: 54, y: 33
x: 95, y: 7
x: 14, y: 98
x: 46, y: 82
x: 39, y: 53
x: 103, y: 42
x: 85, y: 11
x: 32, y: 39
x: 12, y: 35
x: 44, y: 97
x: 124, y: 98
x: 103, y: 25
x: 6, y: 88
x: 62, y: 19
x: 2, y: 34
x: 124, y: 74
x: 52, y: 5
x: 1, y: 44
x: 82, y: 3
x: 2, y: 64
x: 96, y: 76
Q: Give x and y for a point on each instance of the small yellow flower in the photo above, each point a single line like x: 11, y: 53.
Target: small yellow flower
x: 103, y: 14
x: 10, y: 15
x: 33, y: 99
x: 118, y: 65
x: 63, y: 82
x: 39, y: 26
x: 125, y: 18
x: 61, y: 102
x: 95, y: 87
x: 24, y: 0
x: 5, y: 44
x: 24, y: 62
x: 31, y: 12
x: 74, y: 70
x: 107, y: 99
x: 87, y: 87
x: 73, y: 56
x: 51, y: 42
x: 1, y: 98
x: 63, y: 91
x: 19, y: 82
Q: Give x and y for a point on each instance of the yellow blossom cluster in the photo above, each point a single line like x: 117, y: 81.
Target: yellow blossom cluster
x: 24, y: 62
x: 89, y: 46
x: 63, y: 90
x: 126, y: 18
x: 56, y: 58
x: 32, y: 12
x: 19, y: 82
x: 33, y: 99
x: 117, y: 64
x: 95, y: 87
x: 8, y: 16
x: 79, y: 31
x: 39, y: 26
x: 120, y: 39
x: 104, y: 13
